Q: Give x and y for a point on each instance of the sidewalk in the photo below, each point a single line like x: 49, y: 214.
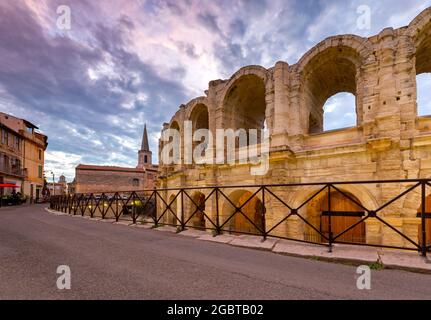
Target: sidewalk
x: 377, y: 257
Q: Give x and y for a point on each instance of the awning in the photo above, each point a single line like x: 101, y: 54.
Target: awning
x: 8, y: 185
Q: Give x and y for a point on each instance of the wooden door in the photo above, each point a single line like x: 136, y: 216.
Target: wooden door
x: 253, y: 211
x: 345, y: 213
x: 427, y: 222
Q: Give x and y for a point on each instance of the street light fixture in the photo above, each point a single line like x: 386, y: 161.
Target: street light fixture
x: 53, y: 181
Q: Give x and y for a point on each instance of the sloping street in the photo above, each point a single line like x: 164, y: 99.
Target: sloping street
x: 110, y: 261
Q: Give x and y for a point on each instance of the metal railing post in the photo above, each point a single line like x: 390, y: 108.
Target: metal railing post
x: 423, y: 219
x: 116, y: 207
x: 217, y: 213
x: 134, y: 207
x: 182, y: 211
x: 156, y: 193
x: 263, y: 214
x: 329, y: 219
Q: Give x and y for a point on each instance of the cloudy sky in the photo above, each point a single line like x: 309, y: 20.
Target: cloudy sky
x: 124, y: 63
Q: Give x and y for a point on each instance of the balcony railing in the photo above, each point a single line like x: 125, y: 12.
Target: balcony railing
x: 13, y: 170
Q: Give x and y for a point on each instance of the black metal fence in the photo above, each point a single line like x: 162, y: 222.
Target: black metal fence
x: 272, y: 210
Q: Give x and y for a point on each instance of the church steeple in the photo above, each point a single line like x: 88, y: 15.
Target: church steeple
x: 144, y: 145
x: 145, y: 154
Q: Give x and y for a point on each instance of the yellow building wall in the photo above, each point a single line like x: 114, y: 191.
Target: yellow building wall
x: 32, y: 162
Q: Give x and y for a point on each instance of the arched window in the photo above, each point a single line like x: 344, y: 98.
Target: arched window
x: 339, y: 111
x: 200, y: 120
x: 135, y: 182
x: 245, y: 106
x: 330, y: 85
x: 423, y: 73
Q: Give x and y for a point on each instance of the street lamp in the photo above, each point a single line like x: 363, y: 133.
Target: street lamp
x: 53, y: 181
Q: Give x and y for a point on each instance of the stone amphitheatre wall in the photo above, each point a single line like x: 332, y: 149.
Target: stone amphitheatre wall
x: 389, y: 141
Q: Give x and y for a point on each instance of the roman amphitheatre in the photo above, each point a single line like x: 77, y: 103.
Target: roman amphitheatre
x: 389, y: 142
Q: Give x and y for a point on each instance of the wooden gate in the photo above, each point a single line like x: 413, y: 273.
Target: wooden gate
x: 344, y: 214
x: 427, y: 222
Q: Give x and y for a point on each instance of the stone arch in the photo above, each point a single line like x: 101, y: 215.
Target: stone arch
x: 191, y: 105
x: 244, y: 100
x: 360, y: 193
x: 420, y: 32
x: 333, y: 66
x: 174, y: 124
x: 199, y: 116
x: 198, y: 220
x: 253, y: 210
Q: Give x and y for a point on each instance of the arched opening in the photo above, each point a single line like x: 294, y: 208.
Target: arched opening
x: 174, y: 126
x: 198, y: 209
x: 251, y: 219
x: 170, y: 217
x: 344, y: 214
x: 427, y: 222
x: 339, y: 111
x: 331, y: 72
x: 200, y: 120
x: 423, y: 72
x: 245, y: 106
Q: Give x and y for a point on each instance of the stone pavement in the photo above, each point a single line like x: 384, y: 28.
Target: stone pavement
x: 379, y: 257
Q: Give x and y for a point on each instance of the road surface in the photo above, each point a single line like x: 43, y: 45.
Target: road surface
x: 118, y: 262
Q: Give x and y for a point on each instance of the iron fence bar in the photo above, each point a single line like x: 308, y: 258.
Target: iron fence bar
x: 312, y: 227
x: 144, y: 203
x: 312, y: 197
x: 423, y: 224
x: 280, y: 222
x: 350, y: 198
x: 182, y: 210
x: 400, y: 233
x: 398, y: 197
x: 80, y: 202
x: 134, y: 208
x: 238, y: 210
x: 217, y: 212
x: 295, y: 211
x: 197, y: 208
x: 263, y: 214
x: 297, y: 184
x: 168, y: 207
x: 279, y: 199
x: 350, y: 228
x: 111, y: 201
x: 155, y: 204
x: 116, y: 197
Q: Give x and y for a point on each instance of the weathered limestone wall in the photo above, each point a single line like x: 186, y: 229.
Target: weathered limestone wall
x: 390, y: 141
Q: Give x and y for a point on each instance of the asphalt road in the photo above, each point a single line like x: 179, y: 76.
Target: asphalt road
x: 118, y: 262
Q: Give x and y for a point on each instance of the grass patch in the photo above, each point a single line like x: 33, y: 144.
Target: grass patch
x: 376, y: 266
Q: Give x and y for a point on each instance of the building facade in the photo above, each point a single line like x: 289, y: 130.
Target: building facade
x: 96, y: 179
x: 23, y: 155
x: 390, y: 140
